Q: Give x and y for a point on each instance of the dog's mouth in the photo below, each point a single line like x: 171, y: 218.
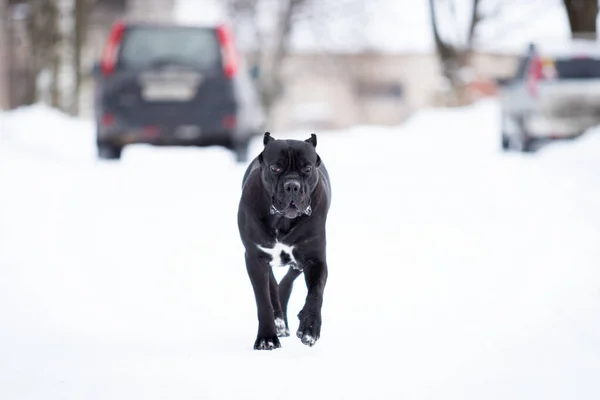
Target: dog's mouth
x: 292, y: 210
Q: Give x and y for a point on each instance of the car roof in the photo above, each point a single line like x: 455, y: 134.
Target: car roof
x: 154, y: 24
x: 569, y: 48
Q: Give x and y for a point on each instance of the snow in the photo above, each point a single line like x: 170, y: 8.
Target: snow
x: 456, y: 272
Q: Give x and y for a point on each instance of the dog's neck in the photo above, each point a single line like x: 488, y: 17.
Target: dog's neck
x: 275, y: 211
x: 282, y: 226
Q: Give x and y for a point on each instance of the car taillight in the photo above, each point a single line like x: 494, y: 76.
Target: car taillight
x: 229, y: 121
x: 108, y: 120
x: 151, y: 131
x: 228, y: 50
x: 111, y: 49
x: 534, y: 75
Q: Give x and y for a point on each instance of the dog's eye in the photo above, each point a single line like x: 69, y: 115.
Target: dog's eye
x: 307, y: 169
x: 275, y: 169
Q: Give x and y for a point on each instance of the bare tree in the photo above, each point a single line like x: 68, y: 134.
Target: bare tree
x: 582, y: 17
x: 44, y: 37
x: 269, y: 48
x: 453, y: 56
x: 4, y: 60
x: 81, y: 12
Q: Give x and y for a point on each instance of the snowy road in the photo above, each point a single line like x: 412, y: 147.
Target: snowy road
x: 126, y: 281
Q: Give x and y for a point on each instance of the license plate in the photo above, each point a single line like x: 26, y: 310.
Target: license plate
x: 172, y: 92
x: 187, y: 132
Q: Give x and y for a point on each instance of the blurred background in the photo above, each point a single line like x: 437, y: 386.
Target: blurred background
x: 462, y: 138
x: 336, y: 63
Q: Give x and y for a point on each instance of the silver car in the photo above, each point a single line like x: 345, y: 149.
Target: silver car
x: 554, y: 94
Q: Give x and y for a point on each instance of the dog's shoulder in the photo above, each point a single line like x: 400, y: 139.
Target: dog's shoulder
x: 322, y: 193
x: 253, y: 168
x: 324, y: 178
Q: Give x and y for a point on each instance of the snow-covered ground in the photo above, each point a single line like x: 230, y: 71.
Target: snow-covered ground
x: 126, y: 280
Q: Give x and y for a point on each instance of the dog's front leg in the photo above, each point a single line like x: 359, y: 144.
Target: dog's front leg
x: 309, y: 329
x: 285, y: 290
x: 258, y: 270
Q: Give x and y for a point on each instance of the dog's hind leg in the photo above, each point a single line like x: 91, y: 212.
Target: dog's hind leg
x: 280, y: 325
x: 285, y: 290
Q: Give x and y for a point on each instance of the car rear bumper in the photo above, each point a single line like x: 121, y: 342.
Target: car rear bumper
x: 119, y: 130
x: 544, y: 126
x: 190, y: 135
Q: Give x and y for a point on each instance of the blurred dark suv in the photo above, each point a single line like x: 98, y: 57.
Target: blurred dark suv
x: 172, y: 85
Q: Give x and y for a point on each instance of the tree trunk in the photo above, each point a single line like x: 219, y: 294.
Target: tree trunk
x: 54, y: 53
x: 80, y: 22
x: 4, y: 58
x: 268, y: 57
x: 32, y: 37
x: 475, y: 18
x: 454, y: 57
x: 270, y: 84
x: 582, y: 17
x: 44, y: 39
x: 447, y: 53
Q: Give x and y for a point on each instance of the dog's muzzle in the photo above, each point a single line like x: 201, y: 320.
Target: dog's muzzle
x: 290, y: 199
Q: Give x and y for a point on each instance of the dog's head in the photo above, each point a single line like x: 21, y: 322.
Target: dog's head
x: 289, y: 173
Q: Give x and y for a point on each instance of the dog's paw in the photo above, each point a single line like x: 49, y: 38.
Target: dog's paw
x: 309, y: 330
x: 281, y: 328
x: 263, y: 343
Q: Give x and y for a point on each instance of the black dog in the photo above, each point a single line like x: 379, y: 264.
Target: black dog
x: 281, y: 219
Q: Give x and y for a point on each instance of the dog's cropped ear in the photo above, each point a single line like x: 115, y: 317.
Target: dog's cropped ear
x: 267, y: 139
x: 312, y: 140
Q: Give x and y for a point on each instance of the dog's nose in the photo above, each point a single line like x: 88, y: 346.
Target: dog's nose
x: 291, y: 186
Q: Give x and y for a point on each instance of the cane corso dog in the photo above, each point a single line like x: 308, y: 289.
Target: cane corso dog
x: 281, y: 218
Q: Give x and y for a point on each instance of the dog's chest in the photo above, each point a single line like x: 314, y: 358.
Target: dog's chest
x: 282, y: 255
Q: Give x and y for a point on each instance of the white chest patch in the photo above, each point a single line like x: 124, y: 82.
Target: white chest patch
x: 281, y: 255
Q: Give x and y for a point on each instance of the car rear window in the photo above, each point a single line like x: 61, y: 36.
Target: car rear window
x: 577, y: 68
x: 150, y: 46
